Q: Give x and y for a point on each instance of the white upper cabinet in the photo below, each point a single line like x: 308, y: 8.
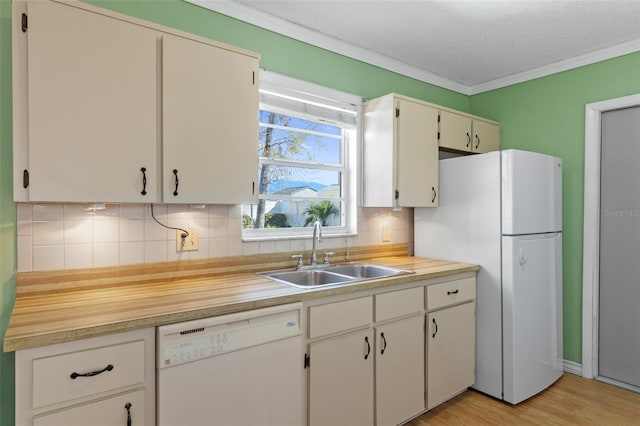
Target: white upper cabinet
x: 91, y: 108
x: 400, y: 153
x: 466, y: 133
x: 104, y: 101
x: 210, y: 123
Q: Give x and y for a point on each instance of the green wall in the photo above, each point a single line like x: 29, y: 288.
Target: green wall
x: 7, y: 215
x: 547, y: 115
x: 543, y: 115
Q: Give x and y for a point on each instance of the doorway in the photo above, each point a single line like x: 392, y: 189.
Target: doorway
x: 611, y: 271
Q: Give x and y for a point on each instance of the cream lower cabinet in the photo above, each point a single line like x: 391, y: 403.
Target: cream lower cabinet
x: 107, y: 380
x: 450, y: 339
x: 363, y: 348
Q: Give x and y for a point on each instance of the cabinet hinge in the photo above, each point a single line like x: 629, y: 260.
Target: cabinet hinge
x: 307, y: 361
x: 25, y: 179
x: 438, y: 135
x: 397, y: 112
x: 253, y: 188
x: 438, y: 118
x: 397, y: 194
x: 24, y: 23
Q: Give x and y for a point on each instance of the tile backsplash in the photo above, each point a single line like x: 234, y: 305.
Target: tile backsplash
x: 68, y: 236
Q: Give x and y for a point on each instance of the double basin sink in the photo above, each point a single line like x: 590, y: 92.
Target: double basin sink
x: 324, y: 276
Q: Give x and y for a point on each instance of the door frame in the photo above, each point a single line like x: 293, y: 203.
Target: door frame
x: 591, y: 232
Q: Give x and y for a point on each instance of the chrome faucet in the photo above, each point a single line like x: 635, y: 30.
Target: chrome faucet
x: 317, y: 238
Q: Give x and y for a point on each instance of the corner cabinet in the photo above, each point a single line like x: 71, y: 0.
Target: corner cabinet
x: 400, y: 159
x: 465, y: 133
x: 107, y: 380
x: 106, y: 107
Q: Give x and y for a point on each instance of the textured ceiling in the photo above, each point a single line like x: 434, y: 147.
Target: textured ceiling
x: 467, y: 42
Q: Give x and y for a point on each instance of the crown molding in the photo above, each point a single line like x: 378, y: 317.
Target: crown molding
x: 297, y: 32
x: 571, y: 63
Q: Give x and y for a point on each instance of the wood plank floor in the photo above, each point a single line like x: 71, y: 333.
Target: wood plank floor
x: 572, y: 400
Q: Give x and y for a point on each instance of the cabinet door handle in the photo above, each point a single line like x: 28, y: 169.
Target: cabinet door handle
x: 435, y: 328
x: 144, y: 181
x: 75, y: 375
x: 435, y: 194
x: 384, y: 342
x: 175, y: 191
x: 127, y: 406
x: 468, y: 139
x: 366, y: 339
x: 477, y: 141
x: 452, y: 292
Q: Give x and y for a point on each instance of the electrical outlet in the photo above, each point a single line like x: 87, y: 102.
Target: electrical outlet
x: 385, y: 234
x: 190, y: 243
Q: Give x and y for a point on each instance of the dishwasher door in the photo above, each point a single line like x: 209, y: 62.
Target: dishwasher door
x: 238, y: 369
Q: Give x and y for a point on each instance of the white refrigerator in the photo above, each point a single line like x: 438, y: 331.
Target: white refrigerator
x: 503, y: 211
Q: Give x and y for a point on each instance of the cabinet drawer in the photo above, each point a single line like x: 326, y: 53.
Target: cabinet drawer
x: 107, y: 412
x: 339, y: 316
x: 450, y: 292
x: 399, y: 303
x: 52, y: 376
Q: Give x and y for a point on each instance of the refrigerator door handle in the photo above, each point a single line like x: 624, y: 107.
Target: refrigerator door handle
x: 522, y: 258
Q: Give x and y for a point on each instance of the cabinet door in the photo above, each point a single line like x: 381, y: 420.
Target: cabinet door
x: 92, y: 106
x: 107, y: 412
x: 417, y: 155
x: 451, y: 352
x: 341, y: 380
x: 455, y: 131
x: 486, y: 136
x: 210, y: 123
x: 399, y: 370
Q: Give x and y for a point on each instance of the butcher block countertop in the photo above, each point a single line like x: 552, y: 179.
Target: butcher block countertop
x: 60, y: 306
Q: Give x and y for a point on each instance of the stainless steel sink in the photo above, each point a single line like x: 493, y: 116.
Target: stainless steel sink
x: 308, y: 278
x: 367, y: 271
x: 333, y: 275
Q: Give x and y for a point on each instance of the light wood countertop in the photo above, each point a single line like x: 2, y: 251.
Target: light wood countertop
x: 69, y: 305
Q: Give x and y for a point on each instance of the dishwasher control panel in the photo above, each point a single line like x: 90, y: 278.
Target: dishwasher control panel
x: 194, y: 340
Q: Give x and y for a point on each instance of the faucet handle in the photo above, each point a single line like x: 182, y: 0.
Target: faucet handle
x: 299, y: 257
x: 326, y: 256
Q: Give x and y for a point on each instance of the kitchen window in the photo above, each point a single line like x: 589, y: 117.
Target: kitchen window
x: 307, y: 169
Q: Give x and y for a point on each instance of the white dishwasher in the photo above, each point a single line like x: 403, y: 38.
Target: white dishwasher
x: 237, y: 369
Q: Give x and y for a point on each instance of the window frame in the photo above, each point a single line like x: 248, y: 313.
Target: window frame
x: 276, y: 83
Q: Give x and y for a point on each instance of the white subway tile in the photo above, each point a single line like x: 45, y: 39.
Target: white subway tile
x: 217, y: 247
x: 110, y: 212
x: 78, y: 256
x: 201, y: 225
x: 250, y: 248
x: 218, y: 211
x: 48, y: 233
x: 106, y: 254
x: 24, y: 213
x: 218, y: 228
x: 132, y: 211
x: 76, y: 212
x: 78, y: 231
x: 234, y: 247
x: 24, y: 253
x: 131, y: 252
x: 47, y: 258
x: 47, y: 212
x: 131, y: 230
x: 154, y: 231
x: 106, y: 231
x: 266, y: 247
x: 282, y: 246
x: 155, y: 251
x: 234, y: 227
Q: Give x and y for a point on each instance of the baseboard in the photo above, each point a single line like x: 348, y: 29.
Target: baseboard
x: 572, y: 367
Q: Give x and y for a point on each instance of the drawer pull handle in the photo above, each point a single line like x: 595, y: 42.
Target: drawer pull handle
x: 452, y: 292
x: 144, y: 181
x: 435, y: 328
x: 75, y: 375
x: 128, y: 407
x: 175, y: 192
x: 384, y: 341
x: 366, y: 339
